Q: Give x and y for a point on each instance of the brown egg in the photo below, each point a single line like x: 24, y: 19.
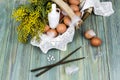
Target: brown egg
x: 74, y: 2
x: 89, y: 34
x: 96, y: 41
x: 67, y: 20
x: 74, y: 8
x: 46, y: 28
x: 78, y: 13
x: 65, y: 0
x: 61, y: 28
x: 52, y: 33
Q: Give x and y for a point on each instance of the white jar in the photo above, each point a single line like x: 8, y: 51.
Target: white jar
x: 54, y: 17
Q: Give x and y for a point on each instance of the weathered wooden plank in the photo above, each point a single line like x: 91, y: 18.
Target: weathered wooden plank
x: 5, y: 41
x: 17, y: 59
x: 40, y: 59
x: 112, y: 34
x: 11, y: 47
x: 103, y: 59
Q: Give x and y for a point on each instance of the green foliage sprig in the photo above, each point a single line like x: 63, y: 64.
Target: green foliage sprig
x: 32, y: 18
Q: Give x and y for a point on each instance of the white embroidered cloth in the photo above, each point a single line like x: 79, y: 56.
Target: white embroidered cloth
x: 100, y: 8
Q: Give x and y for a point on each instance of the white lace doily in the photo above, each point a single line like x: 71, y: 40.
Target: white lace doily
x: 100, y: 8
x: 60, y: 42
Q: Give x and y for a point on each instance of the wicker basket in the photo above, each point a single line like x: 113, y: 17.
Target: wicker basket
x: 60, y: 42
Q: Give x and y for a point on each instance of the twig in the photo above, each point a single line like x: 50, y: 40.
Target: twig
x: 68, y: 61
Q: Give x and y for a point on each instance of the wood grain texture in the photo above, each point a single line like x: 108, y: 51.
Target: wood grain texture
x: 17, y: 59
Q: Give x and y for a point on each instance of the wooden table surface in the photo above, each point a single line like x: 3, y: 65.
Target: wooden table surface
x: 16, y: 59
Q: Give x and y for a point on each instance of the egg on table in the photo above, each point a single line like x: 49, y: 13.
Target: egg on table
x: 95, y: 41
